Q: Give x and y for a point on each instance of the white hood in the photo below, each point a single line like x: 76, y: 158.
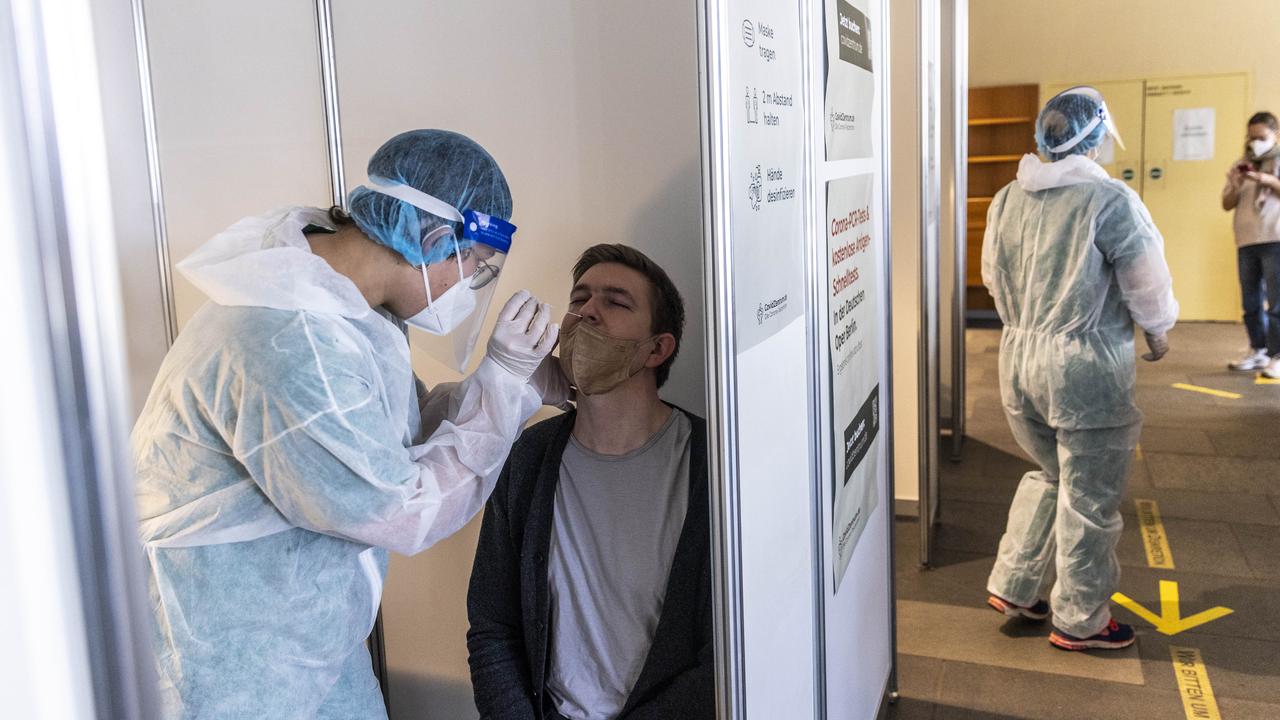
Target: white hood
x: 266, y: 261
x: 1034, y: 175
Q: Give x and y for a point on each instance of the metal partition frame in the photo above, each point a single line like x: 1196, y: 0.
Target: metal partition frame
x: 332, y: 110
x: 927, y: 92
x: 159, y: 222
x: 716, y: 35
x: 959, y: 74
x: 63, y: 150
x: 815, y: 337
x: 886, y: 210
x: 890, y: 694
x: 722, y: 451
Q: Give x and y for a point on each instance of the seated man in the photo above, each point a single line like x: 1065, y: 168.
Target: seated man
x: 591, y: 591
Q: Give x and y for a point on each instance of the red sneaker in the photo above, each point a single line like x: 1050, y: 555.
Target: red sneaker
x: 1113, y: 637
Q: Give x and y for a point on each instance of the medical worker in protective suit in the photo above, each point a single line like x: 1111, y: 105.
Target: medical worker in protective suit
x: 1073, y: 261
x: 286, y: 447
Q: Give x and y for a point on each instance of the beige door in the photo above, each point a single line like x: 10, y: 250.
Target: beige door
x: 1125, y: 101
x: 1183, y: 189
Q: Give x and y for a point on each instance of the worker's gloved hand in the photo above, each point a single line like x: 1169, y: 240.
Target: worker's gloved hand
x: 552, y: 385
x: 1158, y: 344
x: 523, y: 336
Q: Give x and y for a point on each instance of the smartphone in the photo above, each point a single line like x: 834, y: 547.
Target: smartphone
x: 1244, y: 167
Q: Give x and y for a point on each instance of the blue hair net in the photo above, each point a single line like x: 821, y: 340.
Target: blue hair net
x: 446, y: 165
x: 1060, y: 120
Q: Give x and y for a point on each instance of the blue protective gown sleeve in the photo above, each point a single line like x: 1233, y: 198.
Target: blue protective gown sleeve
x: 325, y: 451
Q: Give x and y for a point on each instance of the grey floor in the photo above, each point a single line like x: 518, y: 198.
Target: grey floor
x: 1211, y: 464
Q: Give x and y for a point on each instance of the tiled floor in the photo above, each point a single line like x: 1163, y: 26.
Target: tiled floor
x: 1213, y: 467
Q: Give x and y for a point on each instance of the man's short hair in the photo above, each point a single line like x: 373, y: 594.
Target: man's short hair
x: 1265, y: 118
x: 667, y: 306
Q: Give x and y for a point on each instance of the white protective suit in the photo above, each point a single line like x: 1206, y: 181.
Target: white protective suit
x: 1073, y: 260
x: 276, y: 465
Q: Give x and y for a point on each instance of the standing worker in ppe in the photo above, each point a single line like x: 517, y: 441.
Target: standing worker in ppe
x: 285, y: 447
x: 1073, y: 260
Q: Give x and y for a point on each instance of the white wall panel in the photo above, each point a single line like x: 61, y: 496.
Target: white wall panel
x: 591, y: 110
x: 238, y: 116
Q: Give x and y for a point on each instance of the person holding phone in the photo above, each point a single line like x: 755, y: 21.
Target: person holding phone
x: 1253, y: 192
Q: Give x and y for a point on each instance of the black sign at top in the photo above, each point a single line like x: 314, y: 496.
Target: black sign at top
x: 853, y: 32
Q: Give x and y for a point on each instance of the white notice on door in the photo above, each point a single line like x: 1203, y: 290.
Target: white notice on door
x: 1193, y: 133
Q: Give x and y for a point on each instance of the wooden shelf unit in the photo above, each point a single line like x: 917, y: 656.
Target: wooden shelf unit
x: 1002, y: 122
x: 981, y: 159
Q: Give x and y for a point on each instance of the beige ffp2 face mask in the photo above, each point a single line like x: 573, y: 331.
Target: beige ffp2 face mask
x: 595, y: 362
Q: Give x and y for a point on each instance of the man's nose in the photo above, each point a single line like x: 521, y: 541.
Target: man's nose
x: 590, y: 311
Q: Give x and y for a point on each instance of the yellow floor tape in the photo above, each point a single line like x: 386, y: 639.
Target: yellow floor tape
x: 1264, y: 380
x: 1193, y: 684
x: 1153, y: 535
x: 1208, y: 391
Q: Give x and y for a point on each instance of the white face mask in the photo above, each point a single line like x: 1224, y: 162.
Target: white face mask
x: 446, y: 312
x: 1261, y: 147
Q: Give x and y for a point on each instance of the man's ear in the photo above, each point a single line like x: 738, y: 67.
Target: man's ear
x: 664, y: 346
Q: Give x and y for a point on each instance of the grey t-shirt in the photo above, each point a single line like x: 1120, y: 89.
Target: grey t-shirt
x: 617, y: 521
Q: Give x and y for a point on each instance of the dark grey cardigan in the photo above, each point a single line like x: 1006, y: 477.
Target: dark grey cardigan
x: 508, y: 603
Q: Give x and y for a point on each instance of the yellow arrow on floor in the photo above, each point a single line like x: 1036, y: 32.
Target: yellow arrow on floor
x: 1170, y: 620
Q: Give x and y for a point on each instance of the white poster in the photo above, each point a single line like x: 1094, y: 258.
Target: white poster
x: 766, y: 162
x: 853, y: 278
x: 1193, y: 133
x: 850, y: 91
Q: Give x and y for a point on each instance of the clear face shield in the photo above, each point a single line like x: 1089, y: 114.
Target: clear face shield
x: 1102, y: 116
x: 452, y: 320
